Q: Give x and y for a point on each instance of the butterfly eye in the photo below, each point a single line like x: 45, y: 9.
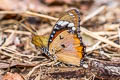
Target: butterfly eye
x: 61, y: 37
x: 63, y: 46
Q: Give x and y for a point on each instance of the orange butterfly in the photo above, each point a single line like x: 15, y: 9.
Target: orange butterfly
x: 65, y: 42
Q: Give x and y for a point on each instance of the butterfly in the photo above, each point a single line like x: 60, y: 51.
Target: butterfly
x: 65, y: 43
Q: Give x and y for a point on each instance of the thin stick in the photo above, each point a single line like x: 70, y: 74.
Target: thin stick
x: 16, y: 52
x: 41, y: 15
x: 28, y: 13
x: 105, y: 33
x: 93, y: 47
x: 11, y: 12
x: 8, y: 39
x: 28, y: 28
x: 18, y: 32
x: 4, y: 53
x: 34, y: 68
x: 93, y: 14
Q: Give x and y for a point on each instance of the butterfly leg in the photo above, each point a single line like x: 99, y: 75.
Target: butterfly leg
x: 46, y: 51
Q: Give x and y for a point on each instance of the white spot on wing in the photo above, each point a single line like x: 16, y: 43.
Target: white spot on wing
x: 53, y: 32
x: 64, y: 23
x: 56, y: 27
x: 59, y: 22
x: 50, y: 40
x: 71, y: 25
x: 51, y: 35
x: 73, y: 28
x: 70, y: 14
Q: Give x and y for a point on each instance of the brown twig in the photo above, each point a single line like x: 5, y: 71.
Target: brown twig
x: 38, y: 66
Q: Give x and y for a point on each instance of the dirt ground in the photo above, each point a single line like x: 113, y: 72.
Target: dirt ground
x: 20, y: 59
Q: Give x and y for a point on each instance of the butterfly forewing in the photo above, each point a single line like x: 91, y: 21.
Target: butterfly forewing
x: 70, y: 20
